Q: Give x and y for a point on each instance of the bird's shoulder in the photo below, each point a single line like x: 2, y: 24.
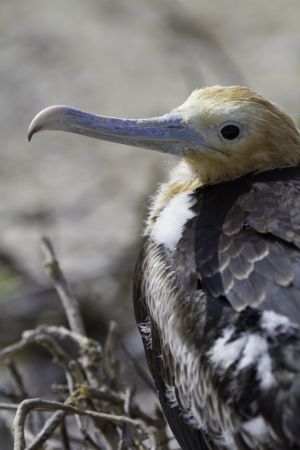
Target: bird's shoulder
x: 246, y: 241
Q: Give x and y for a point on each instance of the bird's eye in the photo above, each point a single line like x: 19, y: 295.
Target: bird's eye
x: 230, y: 131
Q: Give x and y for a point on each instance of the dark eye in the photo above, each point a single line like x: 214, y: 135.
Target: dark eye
x: 230, y: 131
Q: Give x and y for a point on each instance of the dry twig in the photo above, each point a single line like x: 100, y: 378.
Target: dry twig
x: 67, y: 298
x: 93, y: 387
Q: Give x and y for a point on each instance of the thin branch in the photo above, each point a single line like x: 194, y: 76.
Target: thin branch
x: 93, y: 388
x: 64, y: 435
x: 63, y: 334
x: 14, y: 348
x: 59, y: 355
x: 20, y: 390
x: 111, y: 364
x: 16, y: 377
x: 9, y: 406
x: 63, y: 289
x: 125, y: 435
x: 44, y: 434
x: 127, y: 401
x: 47, y: 405
x: 119, y: 399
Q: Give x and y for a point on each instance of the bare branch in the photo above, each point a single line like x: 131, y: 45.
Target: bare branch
x: 59, y: 355
x: 46, y: 432
x: 48, y: 405
x: 93, y: 388
x: 63, y: 289
x: 9, y: 406
x: 64, y: 435
x: 14, y: 348
x: 16, y: 377
x: 111, y: 363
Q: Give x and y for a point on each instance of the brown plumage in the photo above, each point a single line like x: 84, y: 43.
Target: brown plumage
x: 217, y: 284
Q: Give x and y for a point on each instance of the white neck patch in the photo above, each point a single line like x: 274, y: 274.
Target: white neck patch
x: 168, y: 227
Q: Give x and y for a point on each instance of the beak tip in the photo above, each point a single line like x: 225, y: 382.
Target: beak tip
x: 29, y: 135
x: 33, y: 128
x: 44, y: 120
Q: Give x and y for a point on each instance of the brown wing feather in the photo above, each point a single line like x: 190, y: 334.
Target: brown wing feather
x: 248, y: 242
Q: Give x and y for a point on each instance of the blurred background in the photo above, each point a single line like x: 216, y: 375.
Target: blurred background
x: 133, y: 58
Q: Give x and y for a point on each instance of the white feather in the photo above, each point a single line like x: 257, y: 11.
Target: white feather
x: 271, y: 322
x: 167, y: 229
x: 257, y: 428
x: 256, y: 353
x: 225, y: 353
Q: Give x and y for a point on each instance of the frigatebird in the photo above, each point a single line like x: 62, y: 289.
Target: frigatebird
x: 217, y: 283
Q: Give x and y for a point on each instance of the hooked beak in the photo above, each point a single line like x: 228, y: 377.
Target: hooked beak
x: 169, y: 133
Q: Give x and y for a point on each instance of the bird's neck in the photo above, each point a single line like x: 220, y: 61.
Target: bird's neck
x: 183, y: 179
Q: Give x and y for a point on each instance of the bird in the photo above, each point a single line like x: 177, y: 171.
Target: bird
x: 217, y: 282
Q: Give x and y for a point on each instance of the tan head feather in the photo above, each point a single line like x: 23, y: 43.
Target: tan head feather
x: 268, y: 138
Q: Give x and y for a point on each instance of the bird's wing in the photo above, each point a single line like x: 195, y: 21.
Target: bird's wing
x: 160, y: 364
x: 249, y: 250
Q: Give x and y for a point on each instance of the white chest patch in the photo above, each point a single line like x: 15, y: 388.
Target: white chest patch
x: 167, y: 229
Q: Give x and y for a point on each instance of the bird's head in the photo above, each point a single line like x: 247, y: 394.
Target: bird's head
x: 222, y: 132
